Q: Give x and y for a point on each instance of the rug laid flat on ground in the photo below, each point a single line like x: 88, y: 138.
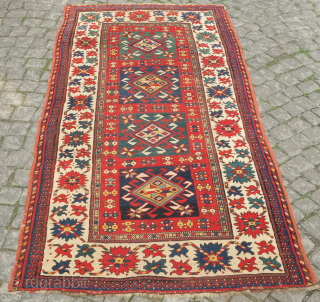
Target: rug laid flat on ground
x: 152, y: 172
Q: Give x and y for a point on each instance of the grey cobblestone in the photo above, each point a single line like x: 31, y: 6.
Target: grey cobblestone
x: 5, y: 174
x: 302, y: 73
x: 312, y: 226
x: 19, y: 31
x: 23, y: 197
x: 12, y: 85
x: 281, y: 39
x: 315, y: 196
x: 281, y: 115
x: 301, y: 140
x: 42, y: 87
x: 28, y: 86
x: 315, y: 55
x: 313, y: 176
x: 303, y: 58
x: 290, y: 147
x: 37, y: 63
x: 138, y: 298
x: 17, y: 159
x: 15, y: 62
x: 293, y: 196
x: 292, y: 92
x: 281, y: 132
x: 18, y: 128
x: 298, y: 215
x: 34, y: 99
x: 39, y: 43
x: 309, y: 86
x: 280, y: 156
x: 278, y: 99
x: 311, y: 118
x: 36, y: 53
x: 291, y: 63
x: 316, y: 111
x: 11, y: 98
x: 11, y: 240
x: 15, y: 73
x: 288, y: 79
x: 313, y: 134
x: 33, y: 74
x: 302, y: 186
x: 4, y: 51
x: 306, y: 205
x: 240, y: 299
x: 293, y: 108
x: 23, y: 113
x: 314, y: 297
x: 260, y: 296
x: 305, y: 103
x: 23, y: 42
x: 10, y: 195
x: 288, y: 296
x: 12, y: 143
x: 5, y: 214
x: 313, y: 155
x: 3, y: 233
x: 314, y: 97
x: 29, y: 143
x: 6, y: 260
x: 269, y: 122
x: 17, y: 52
x: 307, y: 243
x: 21, y: 178
x: 315, y: 258
x: 263, y: 107
x: 57, y: 297
x: 16, y: 223
x: 298, y: 125
x: 3, y: 155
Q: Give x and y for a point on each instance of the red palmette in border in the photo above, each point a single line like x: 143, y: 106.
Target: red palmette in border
x: 35, y: 175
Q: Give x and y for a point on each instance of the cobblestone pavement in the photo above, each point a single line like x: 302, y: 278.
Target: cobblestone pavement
x: 281, y: 43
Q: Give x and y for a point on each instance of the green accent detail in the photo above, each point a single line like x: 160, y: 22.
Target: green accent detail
x: 172, y: 19
x: 270, y: 264
x: 256, y: 203
x: 207, y: 36
x: 81, y: 164
x: 156, y: 266
x: 85, y: 250
x: 153, y: 134
x: 62, y: 212
x: 242, y: 153
x: 305, y: 196
x: 238, y: 171
x: 146, y: 45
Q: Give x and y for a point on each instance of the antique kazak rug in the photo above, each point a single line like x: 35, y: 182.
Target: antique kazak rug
x: 152, y: 172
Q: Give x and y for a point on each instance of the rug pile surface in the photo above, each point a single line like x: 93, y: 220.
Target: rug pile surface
x: 152, y: 172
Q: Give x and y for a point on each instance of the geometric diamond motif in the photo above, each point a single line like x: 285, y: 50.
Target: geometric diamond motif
x: 150, y: 83
x: 152, y: 133
x: 152, y: 193
x: 147, y: 44
x: 158, y: 190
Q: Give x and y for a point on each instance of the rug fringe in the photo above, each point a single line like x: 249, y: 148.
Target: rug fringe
x: 141, y: 4
x: 152, y: 296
